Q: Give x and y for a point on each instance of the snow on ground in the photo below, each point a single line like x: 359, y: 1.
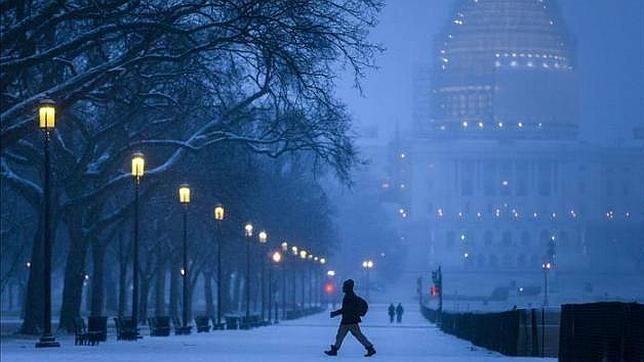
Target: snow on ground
x: 300, y: 340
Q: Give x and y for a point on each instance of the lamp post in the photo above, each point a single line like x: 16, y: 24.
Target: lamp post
x: 276, y: 257
x: 310, y: 283
x: 322, y: 261
x: 316, y: 285
x: 284, y: 253
x: 303, y: 255
x: 546, y: 268
x: 138, y: 168
x: 47, y: 122
x: 263, y: 238
x: 330, y: 290
x: 367, y: 265
x: 295, y: 252
x: 184, y: 199
x: 219, y: 217
x: 248, y: 232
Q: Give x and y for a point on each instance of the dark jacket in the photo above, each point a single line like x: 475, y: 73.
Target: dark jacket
x: 350, y: 309
x: 392, y: 310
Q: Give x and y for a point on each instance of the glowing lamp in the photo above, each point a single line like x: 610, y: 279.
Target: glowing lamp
x: 46, y: 115
x: 322, y: 261
x: 294, y: 250
x: 138, y: 165
x: 219, y: 212
x: 303, y: 254
x: 263, y: 237
x: 184, y: 194
x: 284, y: 246
x: 248, y: 230
x: 277, y: 257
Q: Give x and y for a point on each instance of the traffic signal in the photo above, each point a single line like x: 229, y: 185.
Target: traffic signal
x: 328, y: 288
x: 435, y: 291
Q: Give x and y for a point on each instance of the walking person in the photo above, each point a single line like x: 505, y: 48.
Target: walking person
x: 353, y: 307
x: 399, y: 313
x: 392, y: 312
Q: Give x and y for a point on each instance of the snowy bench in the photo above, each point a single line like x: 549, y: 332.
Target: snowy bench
x: 159, y: 326
x: 203, y: 323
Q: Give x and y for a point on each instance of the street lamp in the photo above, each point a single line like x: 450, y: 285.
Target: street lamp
x: 47, y: 122
x: 138, y: 169
x: 276, y: 258
x: 303, y: 255
x: 546, y: 268
x: 248, y: 232
x: 367, y: 265
x: 184, y: 199
x: 310, y: 283
x: 263, y: 238
x: 284, y: 247
x: 219, y: 217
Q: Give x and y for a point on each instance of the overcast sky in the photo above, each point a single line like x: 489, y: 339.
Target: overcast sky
x: 610, y: 38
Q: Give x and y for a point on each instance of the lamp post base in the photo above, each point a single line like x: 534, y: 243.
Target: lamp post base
x: 47, y: 340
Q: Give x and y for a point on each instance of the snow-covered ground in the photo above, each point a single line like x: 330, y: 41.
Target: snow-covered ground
x: 301, y: 340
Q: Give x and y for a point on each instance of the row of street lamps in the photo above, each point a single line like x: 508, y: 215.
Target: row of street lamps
x: 47, y: 123
x: 138, y: 166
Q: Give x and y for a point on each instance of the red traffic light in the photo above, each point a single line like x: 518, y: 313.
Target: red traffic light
x: 328, y: 288
x: 434, y: 291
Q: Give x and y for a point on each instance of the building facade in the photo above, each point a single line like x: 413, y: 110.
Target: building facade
x: 494, y: 180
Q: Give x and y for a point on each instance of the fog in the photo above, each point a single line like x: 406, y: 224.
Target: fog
x: 494, y: 209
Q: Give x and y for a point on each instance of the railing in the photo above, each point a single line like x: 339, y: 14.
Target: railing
x: 609, y: 331
x: 521, y: 332
x: 602, y: 332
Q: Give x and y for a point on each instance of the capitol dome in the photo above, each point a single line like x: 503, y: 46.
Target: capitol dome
x: 504, y: 69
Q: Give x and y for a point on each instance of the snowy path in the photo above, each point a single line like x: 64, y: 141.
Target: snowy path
x: 301, y: 340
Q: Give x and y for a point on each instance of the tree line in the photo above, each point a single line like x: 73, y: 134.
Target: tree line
x: 235, y: 97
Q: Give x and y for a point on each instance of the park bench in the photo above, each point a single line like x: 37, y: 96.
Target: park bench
x: 98, y: 324
x: 159, y: 326
x: 126, y: 329
x: 179, y: 329
x: 217, y: 326
x: 232, y: 321
x: 82, y: 336
x: 202, y: 322
x: 251, y: 322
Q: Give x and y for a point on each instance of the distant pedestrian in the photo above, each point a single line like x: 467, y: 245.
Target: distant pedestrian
x: 392, y: 312
x: 353, y: 307
x: 399, y: 313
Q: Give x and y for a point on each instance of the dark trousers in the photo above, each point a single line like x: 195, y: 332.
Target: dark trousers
x: 355, y: 330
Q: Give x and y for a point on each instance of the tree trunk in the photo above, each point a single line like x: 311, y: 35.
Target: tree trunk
x: 74, y: 272
x: 174, y: 287
x: 74, y: 276
x: 111, y: 299
x: 122, y: 277
x: 207, y: 288
x: 143, y: 299
x: 98, y: 288
x: 225, y: 291
x: 33, y: 300
x: 159, y: 290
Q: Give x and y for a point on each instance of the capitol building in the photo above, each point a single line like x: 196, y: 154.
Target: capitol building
x: 494, y: 181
